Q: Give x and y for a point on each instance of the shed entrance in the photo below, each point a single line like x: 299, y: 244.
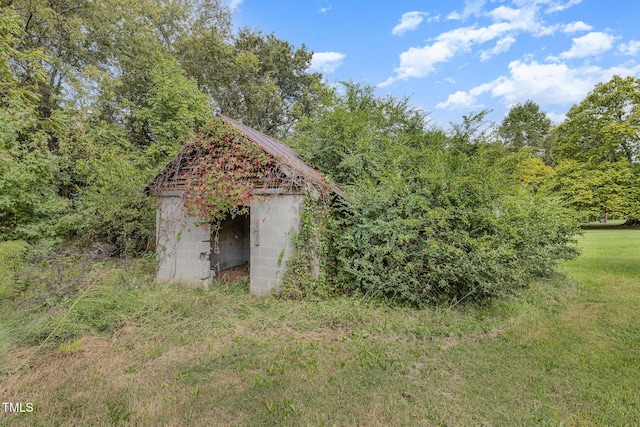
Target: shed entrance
x: 230, y: 247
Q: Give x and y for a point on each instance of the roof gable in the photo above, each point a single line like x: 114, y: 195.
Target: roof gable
x: 286, y: 160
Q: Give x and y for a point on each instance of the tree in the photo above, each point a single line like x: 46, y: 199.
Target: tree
x: 526, y: 126
x: 168, y: 112
x: 350, y: 136
x: 29, y: 203
x: 605, y: 126
x: 594, y: 191
x: 258, y: 79
x: 95, y: 100
x: 602, y: 133
x: 532, y: 173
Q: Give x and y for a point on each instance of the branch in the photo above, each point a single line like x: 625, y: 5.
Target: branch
x: 26, y: 24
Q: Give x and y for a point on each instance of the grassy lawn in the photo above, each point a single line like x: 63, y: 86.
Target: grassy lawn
x: 565, y: 352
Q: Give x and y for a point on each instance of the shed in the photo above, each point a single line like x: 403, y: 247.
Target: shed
x: 193, y: 250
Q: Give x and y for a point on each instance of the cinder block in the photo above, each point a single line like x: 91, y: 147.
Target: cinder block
x: 272, y: 263
x: 275, y: 242
x: 259, y: 291
x: 259, y: 263
x: 284, y: 221
x: 260, y: 273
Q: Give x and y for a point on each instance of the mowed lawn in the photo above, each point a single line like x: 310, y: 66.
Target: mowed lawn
x: 564, y: 352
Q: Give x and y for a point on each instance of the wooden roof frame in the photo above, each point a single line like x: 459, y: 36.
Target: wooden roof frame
x: 289, y: 162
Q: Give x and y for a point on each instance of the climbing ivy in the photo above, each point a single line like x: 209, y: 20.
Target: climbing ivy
x: 224, y: 169
x: 307, y: 267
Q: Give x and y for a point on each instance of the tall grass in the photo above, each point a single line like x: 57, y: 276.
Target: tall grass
x: 562, y: 353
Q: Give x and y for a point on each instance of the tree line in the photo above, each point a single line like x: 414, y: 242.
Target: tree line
x: 96, y: 96
x: 590, y: 159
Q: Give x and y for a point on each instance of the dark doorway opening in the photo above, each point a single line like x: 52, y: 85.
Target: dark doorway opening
x: 230, y: 247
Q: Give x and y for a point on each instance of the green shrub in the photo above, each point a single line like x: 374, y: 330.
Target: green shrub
x: 11, y: 260
x: 459, y: 232
x: 113, y: 209
x: 433, y: 217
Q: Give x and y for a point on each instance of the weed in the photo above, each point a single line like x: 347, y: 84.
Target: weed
x: 118, y: 412
x: 69, y: 346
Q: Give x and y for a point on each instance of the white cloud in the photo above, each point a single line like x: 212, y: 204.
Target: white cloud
x: 408, y: 22
x: 559, y: 6
x: 324, y: 9
x: 557, y: 117
x: 591, y: 44
x: 632, y: 48
x: 326, y: 62
x: 546, y: 30
x: 471, y: 8
x: 422, y: 61
x: 234, y: 4
x: 546, y: 84
x: 575, y: 27
x: 506, y: 25
x: 465, y: 100
x: 459, y: 100
x: 387, y: 82
x: 552, y: 5
x: 503, y: 13
x: 454, y: 16
x: 501, y: 46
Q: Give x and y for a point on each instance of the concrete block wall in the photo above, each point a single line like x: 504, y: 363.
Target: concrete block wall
x: 182, y: 244
x: 273, y: 220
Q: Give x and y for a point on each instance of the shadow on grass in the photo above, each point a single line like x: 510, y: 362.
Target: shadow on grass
x: 611, y: 225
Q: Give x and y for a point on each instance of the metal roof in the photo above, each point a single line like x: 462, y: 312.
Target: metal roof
x: 281, y: 152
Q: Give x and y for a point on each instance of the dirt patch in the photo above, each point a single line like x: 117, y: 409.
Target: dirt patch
x: 454, y: 340
x: 127, y: 329
x: 233, y: 274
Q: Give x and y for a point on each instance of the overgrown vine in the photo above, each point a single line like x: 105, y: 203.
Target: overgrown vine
x: 222, y: 177
x: 307, y: 267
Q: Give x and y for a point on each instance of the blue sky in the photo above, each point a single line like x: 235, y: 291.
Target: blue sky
x: 454, y: 57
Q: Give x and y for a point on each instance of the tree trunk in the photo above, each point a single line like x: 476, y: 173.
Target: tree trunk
x: 632, y: 222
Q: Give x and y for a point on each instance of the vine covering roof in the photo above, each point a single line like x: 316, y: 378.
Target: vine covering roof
x: 285, y: 172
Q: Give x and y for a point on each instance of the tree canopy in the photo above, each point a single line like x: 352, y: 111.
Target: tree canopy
x: 596, y: 150
x: 97, y: 95
x: 605, y: 126
x: 526, y: 126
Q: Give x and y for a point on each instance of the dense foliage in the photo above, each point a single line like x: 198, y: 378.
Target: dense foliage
x: 96, y: 96
x: 526, y: 126
x: 433, y: 217
x: 597, y: 151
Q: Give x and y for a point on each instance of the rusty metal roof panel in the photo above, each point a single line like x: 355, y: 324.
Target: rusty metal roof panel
x: 280, y: 151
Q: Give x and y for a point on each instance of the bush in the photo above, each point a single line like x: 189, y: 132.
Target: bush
x: 11, y: 254
x: 454, y: 228
x: 113, y: 208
